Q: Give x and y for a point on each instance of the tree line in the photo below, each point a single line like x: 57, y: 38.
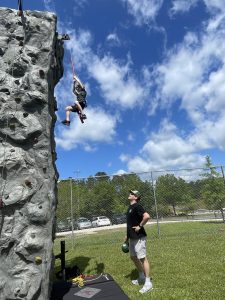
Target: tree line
x: 171, y: 195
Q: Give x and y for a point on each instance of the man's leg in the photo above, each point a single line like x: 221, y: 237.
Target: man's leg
x: 146, y: 267
x: 79, y: 107
x: 68, y: 111
x: 137, y: 263
x: 139, y: 266
x: 148, y: 285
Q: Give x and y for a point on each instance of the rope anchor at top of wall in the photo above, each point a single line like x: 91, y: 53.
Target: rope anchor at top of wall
x: 20, y: 8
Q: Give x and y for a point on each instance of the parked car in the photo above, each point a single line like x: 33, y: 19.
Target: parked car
x: 100, y: 221
x: 62, y: 226
x: 82, y: 223
x: 119, y: 218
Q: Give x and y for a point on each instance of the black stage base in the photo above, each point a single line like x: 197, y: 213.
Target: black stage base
x: 100, y: 286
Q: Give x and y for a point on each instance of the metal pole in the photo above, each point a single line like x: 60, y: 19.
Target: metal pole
x: 63, y: 260
x: 222, y: 212
x: 156, y: 207
x: 71, y: 208
x: 78, y: 200
x: 223, y: 173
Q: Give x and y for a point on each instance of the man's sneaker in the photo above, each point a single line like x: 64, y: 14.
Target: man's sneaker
x: 65, y: 122
x: 83, y: 116
x: 147, y: 287
x: 138, y: 281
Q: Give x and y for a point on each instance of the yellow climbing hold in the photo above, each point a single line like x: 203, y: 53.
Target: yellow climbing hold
x: 38, y: 260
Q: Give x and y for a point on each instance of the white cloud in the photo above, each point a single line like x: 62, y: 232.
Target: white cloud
x: 143, y: 11
x: 78, y: 6
x: 49, y: 5
x: 130, y: 137
x: 115, y: 78
x: 98, y: 128
x: 194, y: 74
x: 182, y: 5
x: 120, y: 172
x: 213, y: 6
x: 118, y: 86
x: 165, y: 149
x: 113, y: 39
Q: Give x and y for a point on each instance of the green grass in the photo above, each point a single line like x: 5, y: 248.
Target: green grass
x: 187, y: 261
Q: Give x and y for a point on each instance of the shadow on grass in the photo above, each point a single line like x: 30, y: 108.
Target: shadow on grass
x: 133, y: 274
x: 82, y: 262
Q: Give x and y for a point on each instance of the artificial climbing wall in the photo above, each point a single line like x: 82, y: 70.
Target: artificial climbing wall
x: 31, y: 55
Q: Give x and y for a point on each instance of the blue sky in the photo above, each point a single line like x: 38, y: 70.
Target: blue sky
x: 154, y: 72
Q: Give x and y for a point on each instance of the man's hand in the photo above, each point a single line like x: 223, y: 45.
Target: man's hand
x: 136, y: 228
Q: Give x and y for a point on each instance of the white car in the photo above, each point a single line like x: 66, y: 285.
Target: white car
x: 100, y: 221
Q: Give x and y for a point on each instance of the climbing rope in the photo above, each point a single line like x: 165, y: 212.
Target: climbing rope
x: 72, y: 64
x: 82, y: 279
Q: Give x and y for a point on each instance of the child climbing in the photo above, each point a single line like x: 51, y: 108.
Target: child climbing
x: 80, y: 103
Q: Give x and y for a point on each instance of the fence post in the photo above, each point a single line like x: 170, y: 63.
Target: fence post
x: 71, y: 208
x: 222, y: 173
x: 156, y: 207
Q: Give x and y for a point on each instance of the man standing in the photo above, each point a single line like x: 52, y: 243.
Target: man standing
x: 137, y: 217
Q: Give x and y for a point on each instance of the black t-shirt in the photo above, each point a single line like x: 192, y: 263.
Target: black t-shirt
x: 134, y: 217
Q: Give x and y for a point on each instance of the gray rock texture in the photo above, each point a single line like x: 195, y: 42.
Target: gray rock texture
x: 31, y: 64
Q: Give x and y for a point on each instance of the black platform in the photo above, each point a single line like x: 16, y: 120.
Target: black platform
x: 100, y: 286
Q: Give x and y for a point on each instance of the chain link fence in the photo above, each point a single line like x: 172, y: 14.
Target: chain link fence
x: 169, y: 196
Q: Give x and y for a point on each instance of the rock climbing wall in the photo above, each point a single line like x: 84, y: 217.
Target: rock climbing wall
x: 31, y: 55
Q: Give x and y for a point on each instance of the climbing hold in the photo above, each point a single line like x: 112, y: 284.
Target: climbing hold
x: 25, y: 115
x: 28, y: 183
x: 38, y: 260
x: 35, y: 140
x: 42, y: 74
x: 17, y: 100
x: 12, y: 126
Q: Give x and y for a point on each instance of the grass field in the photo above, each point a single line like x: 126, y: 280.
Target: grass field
x: 187, y: 261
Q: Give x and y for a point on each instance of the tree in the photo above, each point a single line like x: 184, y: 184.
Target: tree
x: 213, y: 189
x: 171, y: 191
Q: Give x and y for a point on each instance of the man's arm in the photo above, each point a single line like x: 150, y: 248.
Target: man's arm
x: 144, y: 220
x: 76, y: 79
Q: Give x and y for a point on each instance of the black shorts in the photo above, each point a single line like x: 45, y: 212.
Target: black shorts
x: 75, y: 109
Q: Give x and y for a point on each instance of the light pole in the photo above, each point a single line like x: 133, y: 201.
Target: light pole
x: 71, y: 208
x: 78, y: 200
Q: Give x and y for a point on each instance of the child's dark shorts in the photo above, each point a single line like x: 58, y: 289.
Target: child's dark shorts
x: 75, y: 109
